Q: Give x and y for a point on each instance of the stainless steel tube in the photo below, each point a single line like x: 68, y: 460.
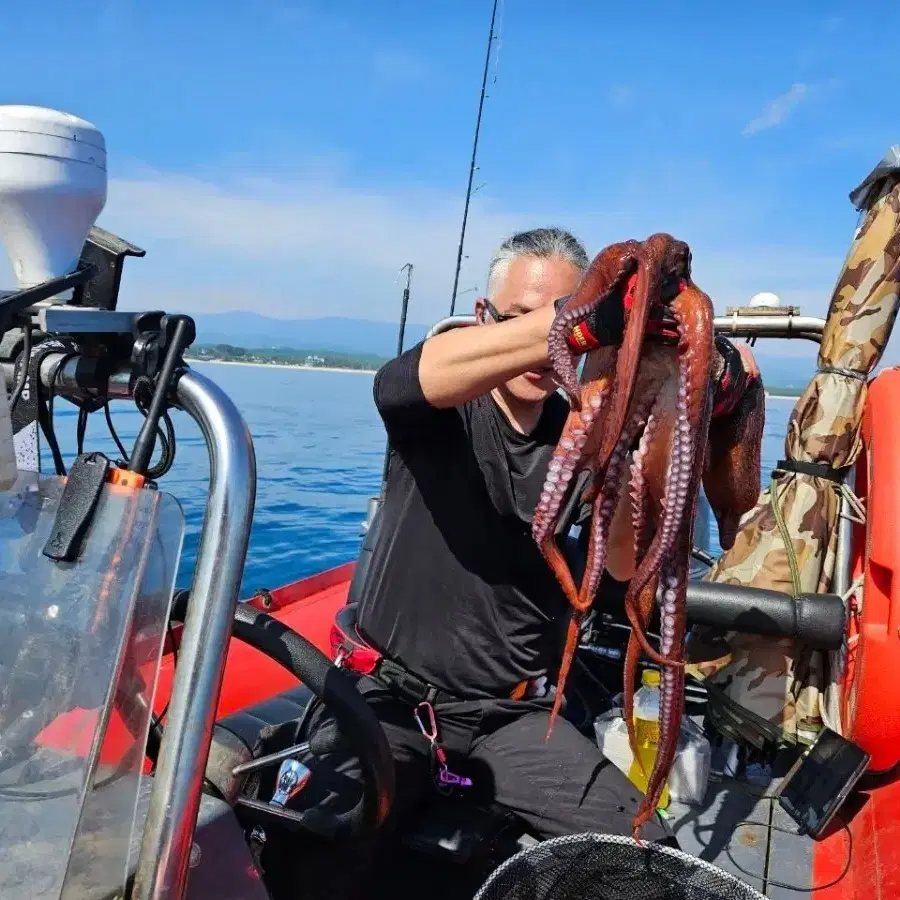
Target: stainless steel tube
x: 168, y: 833
x: 842, y: 579
x: 448, y: 324
x: 76, y: 378
x: 798, y: 327
x: 775, y: 326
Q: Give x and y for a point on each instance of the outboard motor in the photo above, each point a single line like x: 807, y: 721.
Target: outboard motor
x: 52, y: 189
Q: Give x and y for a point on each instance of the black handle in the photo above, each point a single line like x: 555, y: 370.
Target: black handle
x: 819, y: 620
x: 146, y: 439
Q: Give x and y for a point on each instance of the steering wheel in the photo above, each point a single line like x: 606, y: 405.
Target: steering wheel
x: 356, y: 724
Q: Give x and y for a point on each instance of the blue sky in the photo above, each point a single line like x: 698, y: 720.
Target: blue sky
x: 290, y: 157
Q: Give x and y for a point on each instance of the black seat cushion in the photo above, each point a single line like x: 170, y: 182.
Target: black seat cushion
x: 249, y: 723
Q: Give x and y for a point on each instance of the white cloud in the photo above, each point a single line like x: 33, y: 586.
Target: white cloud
x: 308, y: 241
x: 778, y: 110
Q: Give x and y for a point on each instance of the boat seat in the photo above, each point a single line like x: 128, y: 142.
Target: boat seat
x: 446, y: 828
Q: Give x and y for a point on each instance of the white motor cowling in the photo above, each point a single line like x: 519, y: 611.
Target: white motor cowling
x: 52, y: 189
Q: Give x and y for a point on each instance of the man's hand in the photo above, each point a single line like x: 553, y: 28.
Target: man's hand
x: 603, y: 327
x: 605, y: 324
x: 739, y: 372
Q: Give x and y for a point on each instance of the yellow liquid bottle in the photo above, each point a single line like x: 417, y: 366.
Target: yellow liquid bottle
x: 646, y: 727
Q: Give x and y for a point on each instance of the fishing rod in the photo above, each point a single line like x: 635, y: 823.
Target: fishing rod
x: 403, y: 310
x: 404, y: 307
x: 462, y: 234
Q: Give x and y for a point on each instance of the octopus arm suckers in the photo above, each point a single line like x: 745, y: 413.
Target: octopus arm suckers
x: 663, y: 542
x: 694, y: 319
x: 567, y: 458
x: 606, y: 502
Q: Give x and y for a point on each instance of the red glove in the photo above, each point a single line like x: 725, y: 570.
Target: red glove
x: 605, y: 324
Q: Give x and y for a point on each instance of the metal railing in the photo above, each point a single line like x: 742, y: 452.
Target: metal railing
x: 162, y: 866
x: 788, y: 326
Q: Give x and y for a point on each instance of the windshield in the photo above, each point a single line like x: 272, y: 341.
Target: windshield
x: 80, y: 644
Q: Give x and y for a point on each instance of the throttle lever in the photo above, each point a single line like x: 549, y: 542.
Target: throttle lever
x: 293, y: 776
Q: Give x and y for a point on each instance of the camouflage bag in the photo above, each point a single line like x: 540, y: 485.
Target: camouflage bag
x: 788, y: 541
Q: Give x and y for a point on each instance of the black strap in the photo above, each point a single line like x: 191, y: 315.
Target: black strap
x: 815, y: 470
x: 408, y: 687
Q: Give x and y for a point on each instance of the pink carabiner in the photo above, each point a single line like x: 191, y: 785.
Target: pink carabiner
x: 430, y: 736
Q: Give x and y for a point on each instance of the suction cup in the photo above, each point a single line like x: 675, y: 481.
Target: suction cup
x: 52, y: 189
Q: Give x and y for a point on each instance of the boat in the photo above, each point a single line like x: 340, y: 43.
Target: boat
x: 129, y: 712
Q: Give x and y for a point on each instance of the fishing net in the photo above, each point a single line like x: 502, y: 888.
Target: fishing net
x: 609, y: 867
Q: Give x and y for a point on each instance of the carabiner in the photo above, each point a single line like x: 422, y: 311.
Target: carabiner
x: 430, y: 736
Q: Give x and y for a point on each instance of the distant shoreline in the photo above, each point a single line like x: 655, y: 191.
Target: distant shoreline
x: 262, y: 365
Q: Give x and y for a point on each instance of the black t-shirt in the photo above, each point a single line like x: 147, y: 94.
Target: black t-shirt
x: 457, y: 590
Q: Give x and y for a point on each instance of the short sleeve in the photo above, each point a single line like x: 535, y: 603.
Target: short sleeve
x: 400, y: 401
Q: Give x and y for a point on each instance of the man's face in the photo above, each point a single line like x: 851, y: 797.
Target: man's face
x: 530, y: 283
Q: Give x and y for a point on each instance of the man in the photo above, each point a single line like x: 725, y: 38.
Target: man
x: 457, y: 594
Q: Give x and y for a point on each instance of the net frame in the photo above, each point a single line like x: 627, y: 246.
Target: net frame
x: 519, y: 877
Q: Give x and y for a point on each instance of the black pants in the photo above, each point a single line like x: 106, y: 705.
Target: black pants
x: 564, y: 786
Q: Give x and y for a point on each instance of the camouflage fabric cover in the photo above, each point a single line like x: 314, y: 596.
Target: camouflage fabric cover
x: 782, y: 681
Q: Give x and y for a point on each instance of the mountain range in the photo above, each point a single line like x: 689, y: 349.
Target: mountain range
x: 792, y: 367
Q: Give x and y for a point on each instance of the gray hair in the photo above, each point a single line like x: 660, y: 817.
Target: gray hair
x: 540, y: 242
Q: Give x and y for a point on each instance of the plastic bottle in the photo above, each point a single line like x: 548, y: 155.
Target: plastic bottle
x: 646, y: 726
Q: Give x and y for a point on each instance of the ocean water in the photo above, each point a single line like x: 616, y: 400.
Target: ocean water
x: 319, y: 453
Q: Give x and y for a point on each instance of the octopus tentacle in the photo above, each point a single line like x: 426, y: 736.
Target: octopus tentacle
x: 693, y: 313
x: 607, y: 499
x: 573, y: 447
x: 574, y: 630
x: 732, y: 472
x: 671, y: 696
x: 603, y: 512
x: 646, y: 603
x: 607, y: 274
x: 661, y: 547
x: 646, y: 483
x: 656, y: 250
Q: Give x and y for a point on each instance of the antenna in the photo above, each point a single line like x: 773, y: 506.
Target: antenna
x: 472, y: 166
x: 52, y: 188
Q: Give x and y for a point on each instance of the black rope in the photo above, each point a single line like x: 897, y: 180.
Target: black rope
x: 112, y: 432
x: 143, y: 394
x: 815, y: 470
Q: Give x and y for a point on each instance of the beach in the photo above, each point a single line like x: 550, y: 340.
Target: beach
x: 259, y: 365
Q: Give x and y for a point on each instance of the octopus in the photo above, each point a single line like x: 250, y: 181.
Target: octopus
x: 645, y: 409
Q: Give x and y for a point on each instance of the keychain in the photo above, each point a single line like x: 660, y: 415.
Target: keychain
x: 445, y: 777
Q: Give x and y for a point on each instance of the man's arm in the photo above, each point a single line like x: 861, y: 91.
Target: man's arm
x: 414, y: 392
x: 465, y: 363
